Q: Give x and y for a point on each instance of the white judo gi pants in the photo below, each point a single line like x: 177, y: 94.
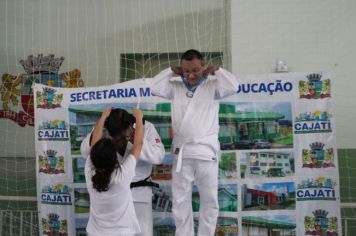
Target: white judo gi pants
x: 205, y: 175
x: 144, y: 215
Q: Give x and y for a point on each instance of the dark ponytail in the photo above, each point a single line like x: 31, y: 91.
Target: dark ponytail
x: 104, y: 158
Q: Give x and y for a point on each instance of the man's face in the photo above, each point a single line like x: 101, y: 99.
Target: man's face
x: 192, y: 70
x: 122, y: 139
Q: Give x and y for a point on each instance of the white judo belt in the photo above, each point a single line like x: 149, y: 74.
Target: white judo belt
x: 179, y: 151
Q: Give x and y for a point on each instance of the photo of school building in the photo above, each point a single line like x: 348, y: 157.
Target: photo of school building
x: 162, y: 199
x: 268, y: 196
x: 78, y: 165
x: 268, y: 226
x: 82, y: 200
x: 163, y: 171
x: 226, y: 226
x: 267, y: 164
x: 80, y: 226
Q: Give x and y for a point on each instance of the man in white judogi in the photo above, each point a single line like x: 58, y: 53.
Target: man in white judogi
x: 195, y: 94
x: 119, y: 127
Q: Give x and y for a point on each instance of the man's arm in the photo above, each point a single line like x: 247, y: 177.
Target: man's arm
x: 161, y: 85
x: 227, y: 83
x: 153, y: 149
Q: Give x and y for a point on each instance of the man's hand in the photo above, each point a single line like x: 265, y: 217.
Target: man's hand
x: 177, y: 70
x: 210, y: 70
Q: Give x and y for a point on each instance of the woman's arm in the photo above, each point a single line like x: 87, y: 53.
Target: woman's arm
x: 138, y: 139
x: 98, y: 130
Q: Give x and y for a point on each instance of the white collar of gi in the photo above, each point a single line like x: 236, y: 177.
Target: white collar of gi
x: 179, y: 79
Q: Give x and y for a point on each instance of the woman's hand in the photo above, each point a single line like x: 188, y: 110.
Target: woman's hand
x: 98, y: 130
x: 106, y: 113
x: 137, y: 113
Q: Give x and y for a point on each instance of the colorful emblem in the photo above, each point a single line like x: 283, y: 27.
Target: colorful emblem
x: 48, y: 99
x: 54, y: 226
x: 17, y: 89
x: 51, y: 163
x: 320, y: 224
x: 314, y: 88
x: 317, y: 156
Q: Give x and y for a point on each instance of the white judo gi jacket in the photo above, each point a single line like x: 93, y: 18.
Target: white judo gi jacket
x: 195, y: 120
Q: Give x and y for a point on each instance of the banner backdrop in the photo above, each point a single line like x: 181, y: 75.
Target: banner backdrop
x: 278, y: 170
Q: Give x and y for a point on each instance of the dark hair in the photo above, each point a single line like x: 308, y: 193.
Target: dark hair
x: 191, y: 54
x: 104, y: 158
x: 118, y: 121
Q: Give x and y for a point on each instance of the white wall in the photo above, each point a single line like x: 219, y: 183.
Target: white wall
x: 311, y: 36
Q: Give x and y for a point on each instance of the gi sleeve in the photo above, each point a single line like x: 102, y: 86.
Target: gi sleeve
x: 152, y: 149
x: 227, y: 84
x: 161, y: 85
x: 126, y: 171
x: 85, y: 146
x: 88, y: 171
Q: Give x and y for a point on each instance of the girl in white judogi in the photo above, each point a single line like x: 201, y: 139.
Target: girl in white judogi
x: 108, y: 182
x: 119, y: 127
x: 195, y: 94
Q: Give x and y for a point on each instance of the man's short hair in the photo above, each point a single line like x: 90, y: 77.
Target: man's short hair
x: 191, y: 54
x: 118, y: 121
